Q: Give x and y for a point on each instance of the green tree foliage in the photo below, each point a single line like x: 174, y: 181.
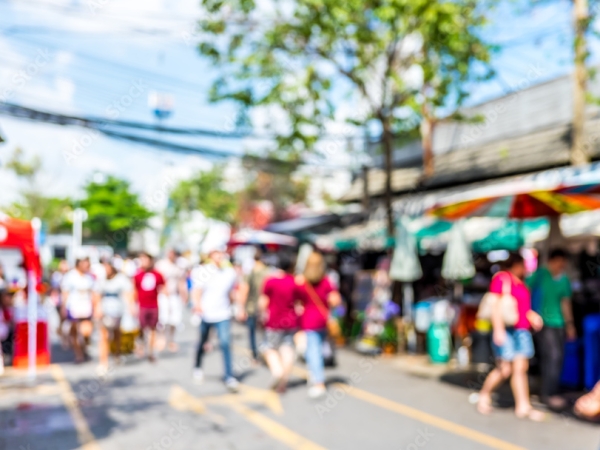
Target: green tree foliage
x: 113, y: 211
x: 204, y: 192
x: 401, y: 59
x: 53, y: 211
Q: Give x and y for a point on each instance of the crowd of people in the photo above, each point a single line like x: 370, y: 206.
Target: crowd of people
x: 292, y: 306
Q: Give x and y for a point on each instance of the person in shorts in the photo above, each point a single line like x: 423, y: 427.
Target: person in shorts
x: 512, y: 346
x: 77, y: 289
x: 148, y: 284
x: 171, y: 302
x: 113, y: 295
x: 281, y: 322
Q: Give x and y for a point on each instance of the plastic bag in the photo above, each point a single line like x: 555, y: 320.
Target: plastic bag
x: 129, y: 323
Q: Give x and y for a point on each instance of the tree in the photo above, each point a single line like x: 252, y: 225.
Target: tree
x: 204, y: 192
x: 113, y: 211
x: 53, y: 211
x: 579, y: 155
x: 398, y: 58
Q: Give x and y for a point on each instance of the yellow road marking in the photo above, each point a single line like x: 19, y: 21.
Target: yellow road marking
x: 430, y: 419
x: 84, y: 434
x: 183, y: 401
x: 418, y: 415
x: 274, y: 429
x: 43, y: 389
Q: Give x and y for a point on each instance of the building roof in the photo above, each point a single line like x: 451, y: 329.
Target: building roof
x: 522, y: 132
x: 403, y: 180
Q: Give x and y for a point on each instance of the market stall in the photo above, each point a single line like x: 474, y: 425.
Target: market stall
x: 553, y: 194
x: 31, y: 343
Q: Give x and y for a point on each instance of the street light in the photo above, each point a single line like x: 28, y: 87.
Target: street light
x: 78, y: 216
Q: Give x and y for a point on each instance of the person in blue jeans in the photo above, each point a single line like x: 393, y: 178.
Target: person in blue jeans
x: 224, y: 335
x: 317, y: 294
x: 213, y: 286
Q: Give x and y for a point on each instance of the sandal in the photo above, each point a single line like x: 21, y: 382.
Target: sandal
x: 534, y: 415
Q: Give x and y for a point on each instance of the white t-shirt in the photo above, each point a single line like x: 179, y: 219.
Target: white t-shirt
x: 113, y: 292
x: 216, y: 285
x: 173, y: 275
x: 79, y: 288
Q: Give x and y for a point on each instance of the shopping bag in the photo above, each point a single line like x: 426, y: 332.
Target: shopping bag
x: 129, y: 324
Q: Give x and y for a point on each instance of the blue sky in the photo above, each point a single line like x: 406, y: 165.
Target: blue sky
x: 94, y: 56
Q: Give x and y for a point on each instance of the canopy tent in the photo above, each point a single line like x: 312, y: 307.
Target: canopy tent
x: 261, y: 237
x: 484, y: 233
x: 20, y: 234
x: 547, y: 194
x: 31, y: 344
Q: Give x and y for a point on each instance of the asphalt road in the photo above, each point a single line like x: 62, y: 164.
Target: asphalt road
x: 371, y: 404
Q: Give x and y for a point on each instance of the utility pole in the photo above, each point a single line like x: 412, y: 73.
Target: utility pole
x: 579, y: 155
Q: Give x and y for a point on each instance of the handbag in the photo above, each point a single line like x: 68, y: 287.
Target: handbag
x: 328, y: 349
x: 508, y: 305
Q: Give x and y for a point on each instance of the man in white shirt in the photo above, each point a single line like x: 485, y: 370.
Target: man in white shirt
x: 171, y: 302
x: 212, y: 289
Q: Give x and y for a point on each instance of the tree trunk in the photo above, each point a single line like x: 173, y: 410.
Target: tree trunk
x: 427, y: 126
x: 579, y: 155
x: 388, y: 146
x: 366, y: 191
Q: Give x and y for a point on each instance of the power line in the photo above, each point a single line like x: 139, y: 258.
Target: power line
x: 107, y: 127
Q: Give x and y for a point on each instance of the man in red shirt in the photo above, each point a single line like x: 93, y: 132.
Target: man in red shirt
x: 148, y: 283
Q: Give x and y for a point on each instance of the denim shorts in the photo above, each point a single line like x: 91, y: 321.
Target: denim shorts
x: 277, y: 338
x: 519, y: 343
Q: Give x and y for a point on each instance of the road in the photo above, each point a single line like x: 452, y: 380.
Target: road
x: 371, y: 404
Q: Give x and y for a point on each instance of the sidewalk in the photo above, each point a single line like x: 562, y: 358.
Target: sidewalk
x: 420, y: 365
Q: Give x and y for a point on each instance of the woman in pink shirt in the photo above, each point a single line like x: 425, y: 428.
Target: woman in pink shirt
x: 513, y: 346
x: 317, y: 294
x: 281, y: 322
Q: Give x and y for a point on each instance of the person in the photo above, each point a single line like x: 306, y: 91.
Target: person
x: 213, y: 285
x: 588, y: 406
x: 277, y: 303
x: 317, y: 294
x: 7, y: 329
x: 512, y: 346
x: 551, y: 298
x: 113, y: 295
x: 77, y: 289
x: 148, y: 283
x: 250, y: 293
x: 172, y: 301
x: 56, y: 296
x: 3, y: 282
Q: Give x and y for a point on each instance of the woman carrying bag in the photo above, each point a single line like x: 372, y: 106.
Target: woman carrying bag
x: 508, y: 306
x: 317, y: 295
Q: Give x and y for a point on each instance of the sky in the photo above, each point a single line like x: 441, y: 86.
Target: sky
x: 105, y: 57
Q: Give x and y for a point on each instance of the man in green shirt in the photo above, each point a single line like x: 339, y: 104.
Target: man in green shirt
x: 551, y: 298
